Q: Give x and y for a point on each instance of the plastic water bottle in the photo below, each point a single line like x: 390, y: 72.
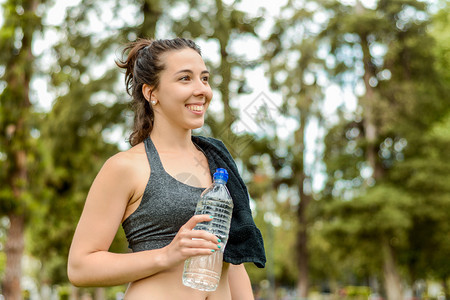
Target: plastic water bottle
x: 203, y: 272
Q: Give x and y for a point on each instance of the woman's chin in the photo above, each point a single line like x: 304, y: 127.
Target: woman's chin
x: 197, y: 125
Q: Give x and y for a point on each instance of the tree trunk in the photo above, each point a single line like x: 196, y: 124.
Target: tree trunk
x: 302, y: 242
x: 368, y: 102
x: 302, y: 254
x: 152, y: 12
x: 391, y: 277
x: 14, y: 250
x: 222, y: 24
x: 302, y: 236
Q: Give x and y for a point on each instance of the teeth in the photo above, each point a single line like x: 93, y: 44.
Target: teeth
x: 195, y: 107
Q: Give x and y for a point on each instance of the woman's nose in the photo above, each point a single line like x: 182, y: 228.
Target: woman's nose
x: 202, y: 88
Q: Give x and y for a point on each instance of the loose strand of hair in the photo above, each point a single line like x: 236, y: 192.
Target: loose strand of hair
x: 131, y: 51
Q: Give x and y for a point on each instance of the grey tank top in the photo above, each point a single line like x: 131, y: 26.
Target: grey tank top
x: 166, y: 205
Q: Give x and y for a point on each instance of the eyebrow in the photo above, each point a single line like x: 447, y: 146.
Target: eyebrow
x: 190, y: 71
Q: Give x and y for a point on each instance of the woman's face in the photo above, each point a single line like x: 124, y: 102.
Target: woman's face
x: 183, y: 93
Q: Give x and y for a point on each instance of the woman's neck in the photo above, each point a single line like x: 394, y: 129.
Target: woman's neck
x: 172, y: 140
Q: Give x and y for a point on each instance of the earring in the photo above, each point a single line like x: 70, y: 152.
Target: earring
x: 153, y: 102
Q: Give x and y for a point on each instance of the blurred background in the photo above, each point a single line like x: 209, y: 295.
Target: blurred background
x: 336, y: 111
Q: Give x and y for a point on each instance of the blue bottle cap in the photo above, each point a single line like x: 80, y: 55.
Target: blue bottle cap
x: 221, y: 174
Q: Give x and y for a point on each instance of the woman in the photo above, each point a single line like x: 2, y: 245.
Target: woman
x: 152, y: 188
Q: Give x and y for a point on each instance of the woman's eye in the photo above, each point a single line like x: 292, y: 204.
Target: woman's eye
x: 205, y: 78
x: 184, y: 78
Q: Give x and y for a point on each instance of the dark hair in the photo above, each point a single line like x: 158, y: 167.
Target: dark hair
x: 143, y: 66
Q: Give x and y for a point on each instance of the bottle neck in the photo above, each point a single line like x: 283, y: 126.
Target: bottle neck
x: 219, y: 181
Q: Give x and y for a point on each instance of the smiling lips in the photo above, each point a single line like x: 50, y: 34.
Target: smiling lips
x: 195, y: 108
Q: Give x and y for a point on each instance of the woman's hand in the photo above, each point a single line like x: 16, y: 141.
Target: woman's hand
x: 189, y: 242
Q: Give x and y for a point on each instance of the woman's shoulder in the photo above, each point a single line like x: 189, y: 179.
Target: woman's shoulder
x: 125, y: 161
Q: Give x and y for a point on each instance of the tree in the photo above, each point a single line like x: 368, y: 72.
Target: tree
x: 17, y: 146
x: 294, y: 68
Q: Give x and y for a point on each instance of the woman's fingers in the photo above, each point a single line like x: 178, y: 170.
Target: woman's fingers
x: 198, y: 247
x: 187, y: 231
x: 189, y: 242
x: 200, y: 243
x: 195, y: 220
x: 200, y: 234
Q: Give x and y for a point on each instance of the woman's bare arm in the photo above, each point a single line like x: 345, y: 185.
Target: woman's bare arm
x: 240, y: 285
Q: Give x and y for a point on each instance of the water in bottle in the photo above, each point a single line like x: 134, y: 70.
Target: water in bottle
x: 203, y: 272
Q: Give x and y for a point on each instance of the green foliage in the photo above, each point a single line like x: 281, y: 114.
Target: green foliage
x: 381, y: 211
x: 407, y: 203
x: 425, y: 177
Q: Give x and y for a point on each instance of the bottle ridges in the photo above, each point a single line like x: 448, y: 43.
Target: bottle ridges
x: 221, y: 212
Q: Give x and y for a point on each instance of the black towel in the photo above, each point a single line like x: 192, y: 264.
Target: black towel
x: 245, y: 243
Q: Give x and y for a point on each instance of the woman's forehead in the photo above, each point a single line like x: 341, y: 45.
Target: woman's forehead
x: 183, y: 59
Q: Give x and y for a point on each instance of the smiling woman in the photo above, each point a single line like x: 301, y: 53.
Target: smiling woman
x: 153, y: 188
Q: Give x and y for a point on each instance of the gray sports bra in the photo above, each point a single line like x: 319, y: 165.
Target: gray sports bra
x: 166, y: 205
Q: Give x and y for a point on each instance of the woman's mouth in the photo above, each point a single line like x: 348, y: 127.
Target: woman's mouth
x: 195, y: 108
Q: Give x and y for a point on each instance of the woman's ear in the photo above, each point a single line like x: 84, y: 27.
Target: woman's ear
x: 147, y: 91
